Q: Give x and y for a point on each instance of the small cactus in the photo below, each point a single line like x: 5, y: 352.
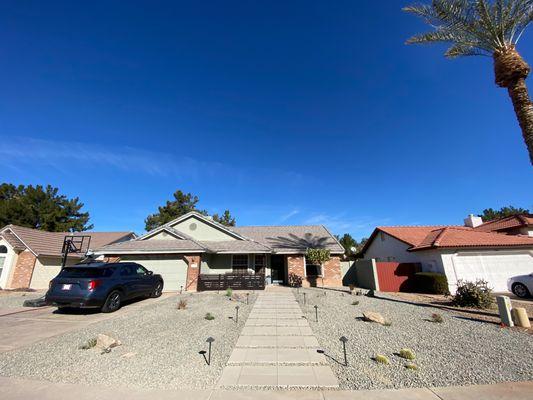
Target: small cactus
x: 355, y: 303
x: 437, y: 318
x: 380, y: 358
x: 182, y: 304
x: 408, y: 354
x: 209, y: 316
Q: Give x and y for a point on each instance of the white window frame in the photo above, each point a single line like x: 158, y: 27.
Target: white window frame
x: 320, y: 265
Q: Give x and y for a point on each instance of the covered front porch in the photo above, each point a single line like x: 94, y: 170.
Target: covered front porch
x: 258, y: 270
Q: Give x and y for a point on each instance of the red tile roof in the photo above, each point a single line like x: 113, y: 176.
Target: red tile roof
x: 411, y: 235
x: 467, y: 237
x: 514, y: 221
x: 51, y: 243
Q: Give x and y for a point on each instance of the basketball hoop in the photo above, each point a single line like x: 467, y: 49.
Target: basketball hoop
x: 74, y: 245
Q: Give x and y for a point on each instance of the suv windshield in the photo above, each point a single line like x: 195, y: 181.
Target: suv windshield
x: 84, y: 272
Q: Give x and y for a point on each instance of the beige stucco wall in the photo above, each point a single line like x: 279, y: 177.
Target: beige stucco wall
x: 202, y: 231
x: 162, y: 236
x: 46, y: 269
x: 389, y: 249
x: 9, y: 261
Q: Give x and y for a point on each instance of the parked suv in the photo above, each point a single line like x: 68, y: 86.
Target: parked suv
x: 102, y: 285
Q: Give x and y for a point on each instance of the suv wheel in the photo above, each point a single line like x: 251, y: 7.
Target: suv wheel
x: 520, y: 290
x: 112, y: 303
x: 158, y: 290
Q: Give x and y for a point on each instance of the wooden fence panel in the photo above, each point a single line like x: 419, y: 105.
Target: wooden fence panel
x: 396, y: 277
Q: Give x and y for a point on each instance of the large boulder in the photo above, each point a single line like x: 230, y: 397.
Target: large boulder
x: 372, y: 316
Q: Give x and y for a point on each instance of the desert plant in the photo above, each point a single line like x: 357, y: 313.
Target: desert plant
x: 209, y: 316
x: 229, y: 292
x: 476, y: 294
x: 182, y: 304
x: 387, y: 323
x: 411, y: 366
x: 408, y: 354
x: 355, y: 303
x: 89, y: 344
x: 380, y: 358
x: 437, y: 318
x: 295, y: 280
x: 431, y: 282
x: 488, y: 28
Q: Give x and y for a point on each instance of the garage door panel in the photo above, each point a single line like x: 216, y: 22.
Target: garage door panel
x: 496, y: 268
x: 173, y: 270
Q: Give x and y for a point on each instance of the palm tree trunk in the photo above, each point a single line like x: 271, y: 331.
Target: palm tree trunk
x: 524, y: 112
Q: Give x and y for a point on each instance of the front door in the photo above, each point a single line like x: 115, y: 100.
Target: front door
x: 277, y: 265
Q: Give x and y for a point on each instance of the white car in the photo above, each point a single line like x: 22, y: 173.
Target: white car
x: 521, y: 285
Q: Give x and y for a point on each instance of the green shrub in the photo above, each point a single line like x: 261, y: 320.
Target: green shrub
x: 229, y: 292
x: 437, y: 318
x: 411, y: 366
x: 209, y: 316
x: 473, y: 294
x: 431, y: 282
x: 380, y: 358
x: 355, y: 303
x: 408, y: 354
x: 89, y: 344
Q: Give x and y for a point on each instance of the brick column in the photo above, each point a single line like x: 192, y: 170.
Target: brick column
x: 193, y: 270
x: 23, y: 270
x: 296, y: 270
x: 332, y: 272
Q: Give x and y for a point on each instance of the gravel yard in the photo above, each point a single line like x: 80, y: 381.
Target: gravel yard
x: 456, y: 352
x: 160, y: 346
x: 13, y: 299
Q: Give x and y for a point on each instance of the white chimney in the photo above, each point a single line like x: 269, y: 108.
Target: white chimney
x: 472, y: 221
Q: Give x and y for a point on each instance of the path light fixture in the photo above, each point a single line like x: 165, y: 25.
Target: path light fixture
x: 209, y: 340
x: 316, y: 313
x: 344, y: 339
x: 236, y: 314
x: 181, y: 290
x: 304, y: 299
x: 247, y: 298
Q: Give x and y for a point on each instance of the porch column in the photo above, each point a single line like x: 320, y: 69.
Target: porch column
x: 193, y: 271
x: 296, y: 270
x: 332, y: 272
x: 23, y: 271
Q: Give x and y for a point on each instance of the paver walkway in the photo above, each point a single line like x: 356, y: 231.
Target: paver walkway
x: 277, y: 348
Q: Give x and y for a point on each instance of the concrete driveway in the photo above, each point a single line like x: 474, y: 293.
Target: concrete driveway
x: 22, y: 326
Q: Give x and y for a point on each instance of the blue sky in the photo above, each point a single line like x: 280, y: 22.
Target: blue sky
x: 285, y: 112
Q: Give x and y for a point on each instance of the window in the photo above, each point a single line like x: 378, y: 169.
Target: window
x: 128, y: 270
x: 239, y: 263
x: 3, y: 249
x: 259, y: 263
x: 85, y: 272
x: 312, y: 269
x: 140, y: 270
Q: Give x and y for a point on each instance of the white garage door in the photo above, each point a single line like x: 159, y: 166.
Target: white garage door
x: 494, y: 267
x: 172, y: 269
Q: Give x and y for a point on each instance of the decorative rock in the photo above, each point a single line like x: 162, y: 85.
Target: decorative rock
x: 105, y: 342
x: 371, y: 316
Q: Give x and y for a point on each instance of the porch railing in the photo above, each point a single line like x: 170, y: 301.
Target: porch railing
x: 233, y: 281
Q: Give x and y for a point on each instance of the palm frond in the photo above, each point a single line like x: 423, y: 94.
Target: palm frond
x: 473, y: 27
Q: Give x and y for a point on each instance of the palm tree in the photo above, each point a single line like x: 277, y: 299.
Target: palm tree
x: 488, y: 28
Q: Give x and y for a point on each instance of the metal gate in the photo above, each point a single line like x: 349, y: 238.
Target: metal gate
x: 396, y: 277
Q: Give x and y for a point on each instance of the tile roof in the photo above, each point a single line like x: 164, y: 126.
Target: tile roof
x: 412, y: 235
x: 452, y: 237
x: 236, y: 246
x: 151, y: 246
x: 295, y: 238
x: 51, y: 243
x: 13, y: 240
x: 514, y: 221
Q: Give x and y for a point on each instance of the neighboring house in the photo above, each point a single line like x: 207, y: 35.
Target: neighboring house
x: 194, y: 244
x: 31, y: 257
x: 493, y: 251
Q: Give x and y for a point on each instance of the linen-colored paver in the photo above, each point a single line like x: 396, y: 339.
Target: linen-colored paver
x: 277, y: 348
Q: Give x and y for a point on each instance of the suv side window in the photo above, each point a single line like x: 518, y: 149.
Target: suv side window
x: 127, y: 270
x: 140, y: 270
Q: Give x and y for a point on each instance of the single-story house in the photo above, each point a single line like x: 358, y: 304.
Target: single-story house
x: 30, y: 258
x: 194, y: 245
x: 493, y: 251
